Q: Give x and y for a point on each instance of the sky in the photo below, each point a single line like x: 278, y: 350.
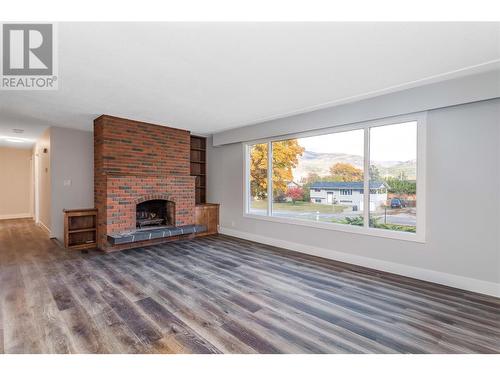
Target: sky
x: 387, y: 143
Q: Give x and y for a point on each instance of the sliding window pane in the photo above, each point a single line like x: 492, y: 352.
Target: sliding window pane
x: 257, y: 201
x: 393, y: 177
x: 320, y: 178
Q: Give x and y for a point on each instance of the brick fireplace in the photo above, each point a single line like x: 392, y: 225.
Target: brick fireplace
x: 136, y: 162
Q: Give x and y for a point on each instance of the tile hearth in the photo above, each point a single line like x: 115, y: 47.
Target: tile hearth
x: 154, y: 233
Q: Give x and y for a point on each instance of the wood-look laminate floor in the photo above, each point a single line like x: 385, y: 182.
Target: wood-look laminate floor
x: 223, y: 295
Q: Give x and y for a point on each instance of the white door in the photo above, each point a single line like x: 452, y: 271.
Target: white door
x: 329, y: 198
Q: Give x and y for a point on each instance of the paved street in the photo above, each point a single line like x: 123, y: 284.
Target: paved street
x: 405, y: 216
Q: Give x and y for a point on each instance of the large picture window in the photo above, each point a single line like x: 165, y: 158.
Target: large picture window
x: 364, y: 178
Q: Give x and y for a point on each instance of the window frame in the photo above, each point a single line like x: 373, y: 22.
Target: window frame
x: 420, y: 118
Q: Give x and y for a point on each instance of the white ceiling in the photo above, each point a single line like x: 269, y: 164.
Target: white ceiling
x: 209, y: 77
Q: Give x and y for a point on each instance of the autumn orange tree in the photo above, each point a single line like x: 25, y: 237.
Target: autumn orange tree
x: 345, y: 172
x: 258, y: 170
x: 285, y: 158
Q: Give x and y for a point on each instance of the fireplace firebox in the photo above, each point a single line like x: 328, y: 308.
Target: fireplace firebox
x: 155, y: 213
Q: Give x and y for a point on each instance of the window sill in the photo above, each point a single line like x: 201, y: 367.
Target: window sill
x: 375, y: 232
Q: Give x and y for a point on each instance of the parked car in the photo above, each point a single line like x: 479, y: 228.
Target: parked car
x: 398, y: 203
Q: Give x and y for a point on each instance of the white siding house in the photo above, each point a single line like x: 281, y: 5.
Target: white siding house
x: 348, y: 194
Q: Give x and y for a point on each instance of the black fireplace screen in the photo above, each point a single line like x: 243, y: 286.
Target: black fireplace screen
x: 156, y: 212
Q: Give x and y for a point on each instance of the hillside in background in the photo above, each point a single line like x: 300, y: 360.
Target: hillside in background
x: 320, y: 163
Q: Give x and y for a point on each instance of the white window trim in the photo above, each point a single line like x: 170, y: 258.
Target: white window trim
x: 419, y: 236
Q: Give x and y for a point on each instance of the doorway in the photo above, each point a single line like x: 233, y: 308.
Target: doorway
x: 329, y: 197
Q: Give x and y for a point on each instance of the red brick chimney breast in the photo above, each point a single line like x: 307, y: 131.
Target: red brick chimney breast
x: 136, y: 161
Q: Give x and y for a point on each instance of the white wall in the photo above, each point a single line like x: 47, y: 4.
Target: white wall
x: 463, y: 236
x: 72, y: 174
x: 15, y: 183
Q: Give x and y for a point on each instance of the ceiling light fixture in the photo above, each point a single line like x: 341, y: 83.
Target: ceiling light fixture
x: 18, y: 131
x: 16, y: 139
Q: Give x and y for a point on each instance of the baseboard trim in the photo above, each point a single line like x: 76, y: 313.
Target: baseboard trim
x: 16, y: 216
x: 45, y: 228
x: 455, y: 281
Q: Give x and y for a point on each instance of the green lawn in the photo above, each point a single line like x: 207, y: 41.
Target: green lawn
x: 374, y: 223
x: 300, y: 207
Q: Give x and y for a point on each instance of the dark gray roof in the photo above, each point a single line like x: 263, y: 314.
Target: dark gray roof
x: 346, y: 185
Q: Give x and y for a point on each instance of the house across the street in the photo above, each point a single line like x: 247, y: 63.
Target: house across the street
x: 292, y: 184
x: 348, y: 193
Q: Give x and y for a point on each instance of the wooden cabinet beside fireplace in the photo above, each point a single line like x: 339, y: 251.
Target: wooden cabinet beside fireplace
x: 80, y: 229
x: 207, y: 214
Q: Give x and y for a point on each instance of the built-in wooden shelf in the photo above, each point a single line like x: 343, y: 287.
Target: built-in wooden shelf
x: 80, y: 229
x: 199, y: 167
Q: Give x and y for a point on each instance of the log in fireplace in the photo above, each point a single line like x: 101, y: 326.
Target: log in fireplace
x: 155, y: 213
